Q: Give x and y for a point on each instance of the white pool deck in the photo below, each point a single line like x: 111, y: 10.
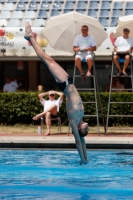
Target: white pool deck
x: 117, y: 138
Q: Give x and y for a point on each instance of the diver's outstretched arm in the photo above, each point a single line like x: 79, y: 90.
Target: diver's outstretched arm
x: 78, y: 142
x: 56, y: 70
x: 84, y: 147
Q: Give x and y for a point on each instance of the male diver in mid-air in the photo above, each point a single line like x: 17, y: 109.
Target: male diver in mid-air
x: 74, y: 105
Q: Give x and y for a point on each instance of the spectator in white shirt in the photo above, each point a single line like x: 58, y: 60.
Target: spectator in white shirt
x: 84, y: 45
x: 10, y: 86
x: 51, y: 107
x: 123, y: 46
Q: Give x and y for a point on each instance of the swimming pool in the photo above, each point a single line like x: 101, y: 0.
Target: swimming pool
x: 51, y: 175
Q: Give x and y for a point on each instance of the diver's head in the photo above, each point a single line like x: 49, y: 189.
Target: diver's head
x: 83, y: 129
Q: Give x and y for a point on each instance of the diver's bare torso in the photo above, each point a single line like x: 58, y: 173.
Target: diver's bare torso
x: 74, y: 105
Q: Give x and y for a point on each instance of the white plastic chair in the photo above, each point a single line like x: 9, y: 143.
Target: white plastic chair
x: 17, y: 15
x: 58, y: 119
x: 3, y: 22
x: 0, y: 7
x: 30, y: 15
x: 39, y: 22
x: 26, y: 20
x: 5, y: 15
x: 14, y: 23
x: 9, y: 6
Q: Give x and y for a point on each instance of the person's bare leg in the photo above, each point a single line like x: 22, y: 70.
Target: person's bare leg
x: 48, y: 122
x: 57, y: 71
x: 78, y: 65
x: 89, y: 63
x: 115, y: 58
x: 127, y: 60
x: 51, y: 109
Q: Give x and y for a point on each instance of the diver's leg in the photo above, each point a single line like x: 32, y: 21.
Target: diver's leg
x: 56, y: 70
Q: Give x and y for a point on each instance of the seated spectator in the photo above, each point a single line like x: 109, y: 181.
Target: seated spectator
x: 84, y: 45
x: 123, y: 46
x: 40, y: 88
x: 10, y: 86
x: 51, y: 107
x: 108, y: 85
x: 120, y: 87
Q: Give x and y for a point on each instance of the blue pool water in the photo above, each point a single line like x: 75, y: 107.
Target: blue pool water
x: 56, y: 175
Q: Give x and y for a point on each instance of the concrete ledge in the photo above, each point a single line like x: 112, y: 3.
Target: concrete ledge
x: 93, y: 141
x: 66, y: 142
x: 63, y: 146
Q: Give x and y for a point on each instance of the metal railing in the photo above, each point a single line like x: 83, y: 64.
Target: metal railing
x: 111, y: 89
x: 95, y: 89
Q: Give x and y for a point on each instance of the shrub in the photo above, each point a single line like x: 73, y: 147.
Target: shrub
x: 20, y: 107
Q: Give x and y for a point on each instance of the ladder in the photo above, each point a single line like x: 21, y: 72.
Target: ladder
x: 121, y: 60
x: 95, y: 89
